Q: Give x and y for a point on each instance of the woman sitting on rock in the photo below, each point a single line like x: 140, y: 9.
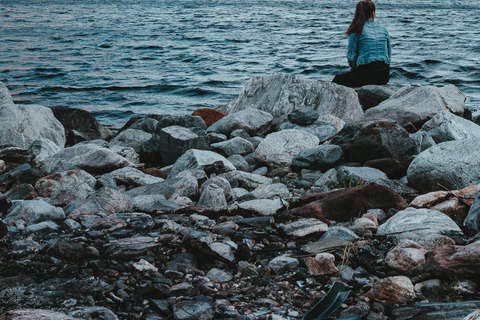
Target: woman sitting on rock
x: 369, y: 49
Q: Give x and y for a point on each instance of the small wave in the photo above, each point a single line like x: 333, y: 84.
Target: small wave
x: 147, y: 47
x: 152, y: 88
x: 195, y: 92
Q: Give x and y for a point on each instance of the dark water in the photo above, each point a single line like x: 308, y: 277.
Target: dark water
x: 118, y: 58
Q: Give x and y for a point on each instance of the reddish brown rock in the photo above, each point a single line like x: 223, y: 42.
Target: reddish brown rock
x: 454, y: 204
x: 393, y: 289
x: 321, y: 264
x: 343, y: 205
x: 451, y: 261
x: 210, y: 116
x: 407, y: 257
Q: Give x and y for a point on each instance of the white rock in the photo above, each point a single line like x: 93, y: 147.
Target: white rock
x: 197, y: 159
x: 278, y: 149
x: 88, y: 157
x: 452, y: 165
x: 445, y: 126
x: 415, y: 105
x: 33, y: 211
x: 265, y: 207
x: 280, y: 94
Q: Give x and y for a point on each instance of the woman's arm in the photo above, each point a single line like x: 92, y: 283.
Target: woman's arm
x: 352, y: 54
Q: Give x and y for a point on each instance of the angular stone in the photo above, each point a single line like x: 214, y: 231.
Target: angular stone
x: 82, y: 121
x: 445, y: 126
x: 376, y: 139
x: 239, y: 162
x: 397, y: 289
x: 321, y: 158
x: 454, y: 261
x: 35, y: 314
x: 88, y: 157
x: 472, y: 220
x: 132, y: 138
x: 323, y: 130
x: 271, y: 191
x: 234, y: 146
x: 265, y: 207
x: 199, y: 159
x: 63, y: 187
x: 455, y: 204
x: 185, y: 186
x: 105, y: 200
x: 407, y: 257
x: 321, y: 264
x: 412, y: 106
x: 33, y: 211
x: 439, y: 167
x: 170, y: 143
x: 281, y: 264
x: 280, y: 94
x: 248, y: 180
x: 131, y: 247
x: 303, y: 115
x: 20, y: 125
x: 134, y: 177
x: 372, y: 95
x: 253, y: 121
x: 303, y: 227
x: 196, y: 309
x: 278, y: 149
x: 212, y: 196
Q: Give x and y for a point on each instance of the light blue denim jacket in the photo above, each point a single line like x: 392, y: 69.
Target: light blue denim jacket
x: 373, y: 44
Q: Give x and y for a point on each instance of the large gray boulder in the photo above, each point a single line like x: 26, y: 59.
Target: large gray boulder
x: 411, y: 106
x: 445, y: 126
x: 452, y: 165
x: 278, y: 149
x: 253, y: 121
x: 20, y: 125
x: 321, y: 158
x: 280, y: 94
x: 88, y: 157
x: 372, y: 95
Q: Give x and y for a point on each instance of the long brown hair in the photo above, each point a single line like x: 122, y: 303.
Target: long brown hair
x: 363, y: 12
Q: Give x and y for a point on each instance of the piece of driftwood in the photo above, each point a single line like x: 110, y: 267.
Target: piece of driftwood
x: 343, y: 205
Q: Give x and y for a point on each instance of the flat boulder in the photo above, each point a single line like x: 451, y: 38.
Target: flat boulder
x: 33, y: 211
x: 88, y: 157
x: 278, y: 149
x: 280, y: 94
x: 412, y: 106
x: 445, y: 126
x: 132, y: 138
x: 452, y: 165
x: 253, y: 121
x: 419, y: 225
x: 20, y: 125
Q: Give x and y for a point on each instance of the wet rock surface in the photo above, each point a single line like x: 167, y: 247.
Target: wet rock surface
x: 87, y: 231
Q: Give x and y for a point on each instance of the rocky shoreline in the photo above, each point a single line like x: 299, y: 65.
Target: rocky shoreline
x: 251, y: 211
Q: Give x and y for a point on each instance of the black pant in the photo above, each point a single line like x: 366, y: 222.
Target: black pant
x: 377, y: 72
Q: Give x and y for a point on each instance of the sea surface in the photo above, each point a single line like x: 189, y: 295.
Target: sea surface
x: 120, y: 58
